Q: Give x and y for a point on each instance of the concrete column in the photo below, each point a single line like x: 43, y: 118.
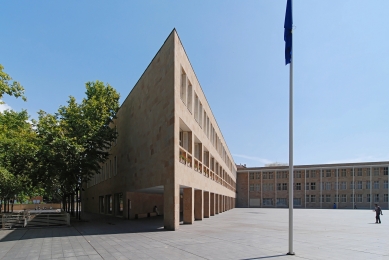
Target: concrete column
x: 206, y: 204
x: 217, y: 204
x: 188, y: 205
x: 212, y: 204
x: 198, y: 210
x: 221, y: 203
x: 171, y: 207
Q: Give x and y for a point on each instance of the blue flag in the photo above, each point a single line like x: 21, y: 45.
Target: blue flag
x: 288, y: 32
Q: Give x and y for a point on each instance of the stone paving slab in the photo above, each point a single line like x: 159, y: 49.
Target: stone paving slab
x: 245, y: 234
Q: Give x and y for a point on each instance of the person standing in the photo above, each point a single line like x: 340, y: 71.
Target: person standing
x: 378, y: 212
x: 334, y: 207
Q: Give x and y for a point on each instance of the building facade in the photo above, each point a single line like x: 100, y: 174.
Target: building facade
x: 170, y: 152
x: 349, y: 185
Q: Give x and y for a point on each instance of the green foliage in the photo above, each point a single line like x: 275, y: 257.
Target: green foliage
x: 74, y: 141
x: 6, y: 87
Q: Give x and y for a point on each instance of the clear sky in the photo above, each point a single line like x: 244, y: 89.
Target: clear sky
x: 237, y: 51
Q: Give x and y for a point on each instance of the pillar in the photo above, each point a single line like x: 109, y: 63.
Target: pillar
x: 171, y: 206
x: 220, y: 203
x: 199, y: 208
x: 206, y: 204
x: 212, y: 204
x: 188, y: 205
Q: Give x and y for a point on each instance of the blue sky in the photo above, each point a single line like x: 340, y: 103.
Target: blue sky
x: 237, y: 51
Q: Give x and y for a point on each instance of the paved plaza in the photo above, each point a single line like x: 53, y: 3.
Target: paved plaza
x: 235, y: 234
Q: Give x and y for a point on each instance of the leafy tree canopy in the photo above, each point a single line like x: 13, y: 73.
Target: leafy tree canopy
x: 9, y: 87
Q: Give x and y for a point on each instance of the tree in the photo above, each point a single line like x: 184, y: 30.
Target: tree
x: 6, y: 87
x: 75, y: 141
x: 17, y: 153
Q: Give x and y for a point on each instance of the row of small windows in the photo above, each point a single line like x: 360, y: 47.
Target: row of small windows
x: 324, y: 173
x: 107, y: 171
x: 324, y: 186
x: 201, y: 117
x: 339, y: 198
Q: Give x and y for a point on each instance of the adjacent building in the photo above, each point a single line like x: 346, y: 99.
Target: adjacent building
x: 170, y: 152
x: 348, y: 185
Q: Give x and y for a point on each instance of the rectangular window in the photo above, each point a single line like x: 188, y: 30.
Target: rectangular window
x: 279, y: 186
x: 376, y: 171
x: 252, y: 176
x: 367, y: 184
x: 385, y: 197
x: 183, y: 87
x: 313, y: 185
x: 267, y: 202
x: 336, y: 185
x: 251, y: 187
x: 328, y: 173
x: 343, y: 198
x: 376, y: 185
x: 385, y: 184
x: 367, y: 172
x: 200, y: 114
x: 322, y: 198
x: 297, y: 174
x: 343, y: 185
x: 307, y: 198
x: 101, y: 204
x: 313, y: 198
x: 336, y: 198
x: 109, y: 203
x: 368, y: 198
x: 385, y: 170
x: 264, y: 175
x: 352, y: 185
x: 190, y: 98
x: 307, y: 186
x: 271, y: 186
x: 281, y: 202
x: 359, y: 185
x: 258, y: 175
x: 306, y: 174
x: 343, y: 172
x: 359, y: 172
x: 376, y: 197
x: 359, y: 198
x: 278, y: 175
x: 297, y: 201
x: 196, y: 107
x: 298, y: 186
x: 271, y: 175
x: 328, y: 198
x: 352, y: 198
x: 336, y: 173
x: 284, y: 186
x: 257, y: 187
x: 328, y: 185
x: 119, y: 204
x: 313, y: 173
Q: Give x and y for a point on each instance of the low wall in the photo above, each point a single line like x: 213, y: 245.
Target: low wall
x: 33, y: 206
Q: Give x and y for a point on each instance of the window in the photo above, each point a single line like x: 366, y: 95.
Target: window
x: 297, y: 201
x: 119, y: 204
x: 264, y: 175
x: 376, y: 197
x: 352, y: 198
x: 251, y: 176
x: 196, y: 107
x: 267, y: 202
x: 343, y: 185
x: 279, y: 186
x: 368, y: 185
x: 367, y: 172
x: 343, y: 198
x: 313, y: 198
x: 313, y: 173
x: 285, y: 174
x: 109, y: 203
x: 281, y: 202
x: 385, y: 184
x: 313, y: 185
x: 189, y: 97
x: 328, y: 198
x: 359, y: 172
x: 297, y: 174
x: 352, y: 185
x: 376, y: 171
x: 368, y: 198
x: 385, y: 170
x: 284, y: 186
x: 322, y: 198
x: 258, y: 175
x: 343, y: 172
x: 359, y: 198
x: 306, y: 174
x: 271, y: 175
x: 298, y: 186
x: 336, y: 185
x: 351, y: 172
x: 328, y: 186
x: 336, y: 173
x: 336, y: 198
x: 376, y: 185
x: 251, y: 187
x: 271, y: 186
x: 183, y: 87
x: 101, y: 204
x: 328, y: 173
x: 307, y: 198
x: 278, y: 175
x: 307, y: 186
x: 257, y: 187
x: 359, y: 185
x: 385, y: 197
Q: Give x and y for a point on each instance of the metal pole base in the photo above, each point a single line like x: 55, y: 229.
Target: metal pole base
x: 290, y: 253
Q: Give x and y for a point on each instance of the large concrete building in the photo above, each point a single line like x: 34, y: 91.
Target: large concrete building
x: 348, y: 185
x: 170, y: 152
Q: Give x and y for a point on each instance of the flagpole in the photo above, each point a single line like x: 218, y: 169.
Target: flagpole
x: 291, y: 252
